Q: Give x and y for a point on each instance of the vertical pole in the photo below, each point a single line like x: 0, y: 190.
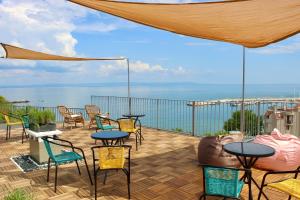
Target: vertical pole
x: 258, y: 119
x: 157, y: 113
x: 128, y: 86
x: 193, y: 118
x: 242, y: 123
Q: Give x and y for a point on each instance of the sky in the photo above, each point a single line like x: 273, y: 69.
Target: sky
x: 61, y: 27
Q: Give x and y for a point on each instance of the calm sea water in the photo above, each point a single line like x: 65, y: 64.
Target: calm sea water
x: 79, y: 95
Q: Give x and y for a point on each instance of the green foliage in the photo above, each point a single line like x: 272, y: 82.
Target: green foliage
x: 40, y: 117
x: 177, y: 130
x: 251, y: 122
x: 18, y: 194
x: 218, y: 133
x: 3, y: 100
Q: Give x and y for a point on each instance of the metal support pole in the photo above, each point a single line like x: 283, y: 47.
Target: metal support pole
x: 193, y: 118
x: 128, y: 86
x: 242, y: 124
x: 258, y: 118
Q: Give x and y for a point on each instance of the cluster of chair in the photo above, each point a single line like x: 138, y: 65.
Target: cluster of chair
x: 226, y: 182
x: 102, y: 121
x: 109, y: 158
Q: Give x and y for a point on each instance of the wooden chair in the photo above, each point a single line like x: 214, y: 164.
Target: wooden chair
x: 289, y: 186
x: 69, y: 117
x: 92, y: 111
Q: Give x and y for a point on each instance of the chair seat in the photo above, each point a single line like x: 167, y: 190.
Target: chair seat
x: 289, y: 186
x: 67, y: 156
x: 14, y: 123
x: 109, y: 127
x: 130, y: 130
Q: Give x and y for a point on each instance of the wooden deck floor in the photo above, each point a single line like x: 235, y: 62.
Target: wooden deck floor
x: 164, y: 168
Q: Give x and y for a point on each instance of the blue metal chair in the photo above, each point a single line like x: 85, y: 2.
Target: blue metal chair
x: 103, y: 127
x: 221, y: 181
x: 64, y: 157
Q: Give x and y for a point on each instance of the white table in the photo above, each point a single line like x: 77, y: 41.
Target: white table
x: 36, y: 145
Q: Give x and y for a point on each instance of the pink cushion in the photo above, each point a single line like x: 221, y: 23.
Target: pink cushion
x: 287, y: 151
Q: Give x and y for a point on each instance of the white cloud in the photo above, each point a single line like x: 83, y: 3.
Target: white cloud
x: 96, y: 27
x: 292, y: 47
x: 198, y: 44
x: 120, y: 67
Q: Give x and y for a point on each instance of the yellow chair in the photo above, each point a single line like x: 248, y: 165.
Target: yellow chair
x: 13, y: 121
x: 111, y: 158
x: 128, y: 125
x: 289, y: 186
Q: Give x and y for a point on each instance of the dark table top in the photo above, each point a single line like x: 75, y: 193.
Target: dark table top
x: 249, y: 149
x: 133, y: 115
x: 109, y: 135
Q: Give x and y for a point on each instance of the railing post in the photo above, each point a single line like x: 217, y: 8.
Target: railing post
x: 157, y: 115
x: 108, y: 104
x: 258, y: 117
x: 193, y: 118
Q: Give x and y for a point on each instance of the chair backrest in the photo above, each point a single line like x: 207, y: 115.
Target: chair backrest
x: 126, y: 124
x: 6, y: 118
x: 25, y: 120
x: 99, y: 122
x: 221, y: 181
x: 111, y: 157
x: 48, y: 148
x: 92, y: 110
x: 64, y: 111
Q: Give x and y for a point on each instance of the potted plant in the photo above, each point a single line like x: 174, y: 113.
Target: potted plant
x: 41, y: 121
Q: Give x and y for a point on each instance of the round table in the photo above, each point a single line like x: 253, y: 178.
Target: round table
x: 247, y: 153
x: 109, y: 138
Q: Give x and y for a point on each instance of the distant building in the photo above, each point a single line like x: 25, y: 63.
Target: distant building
x: 286, y: 120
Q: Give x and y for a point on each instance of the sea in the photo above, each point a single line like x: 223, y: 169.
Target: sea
x: 80, y: 94
x: 166, y: 115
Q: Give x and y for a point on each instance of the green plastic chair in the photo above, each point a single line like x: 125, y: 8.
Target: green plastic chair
x: 101, y: 126
x: 64, y: 157
x: 221, y: 181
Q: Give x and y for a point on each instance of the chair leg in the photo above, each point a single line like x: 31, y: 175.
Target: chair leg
x: 88, y: 171
x: 95, y: 182
x: 9, y: 131
x: 105, y: 177
x: 78, y: 167
x: 203, y: 196
x: 6, y: 132
x: 136, y: 142
x: 128, y: 185
x: 23, y: 135
x: 48, y: 171
x: 55, y: 183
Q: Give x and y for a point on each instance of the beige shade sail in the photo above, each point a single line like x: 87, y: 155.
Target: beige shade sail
x: 251, y: 23
x: 14, y: 52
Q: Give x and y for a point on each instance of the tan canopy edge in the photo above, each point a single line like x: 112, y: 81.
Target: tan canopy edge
x: 20, y: 53
x: 251, y: 23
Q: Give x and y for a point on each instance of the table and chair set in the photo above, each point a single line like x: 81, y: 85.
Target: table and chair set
x: 113, y: 154
x: 227, y: 182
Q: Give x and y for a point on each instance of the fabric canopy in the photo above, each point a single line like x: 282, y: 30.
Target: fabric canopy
x: 251, y: 23
x: 20, y: 53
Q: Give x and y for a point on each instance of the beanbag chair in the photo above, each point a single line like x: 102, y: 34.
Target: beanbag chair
x: 287, y: 151
x: 210, y: 150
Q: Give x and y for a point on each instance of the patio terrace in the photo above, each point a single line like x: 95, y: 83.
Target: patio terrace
x: 165, y: 167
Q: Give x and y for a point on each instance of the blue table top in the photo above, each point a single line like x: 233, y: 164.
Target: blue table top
x: 109, y: 135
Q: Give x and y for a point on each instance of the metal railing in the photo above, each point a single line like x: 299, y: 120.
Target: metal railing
x: 190, y: 117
